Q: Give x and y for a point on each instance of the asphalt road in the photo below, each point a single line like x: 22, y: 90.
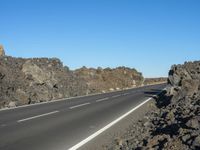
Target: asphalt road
x: 62, y: 124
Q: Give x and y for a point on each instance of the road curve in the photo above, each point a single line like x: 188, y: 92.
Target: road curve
x: 63, y: 124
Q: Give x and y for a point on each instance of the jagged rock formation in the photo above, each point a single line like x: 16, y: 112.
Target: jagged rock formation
x: 26, y: 81
x: 101, y: 80
x: 2, y: 52
x: 174, y: 122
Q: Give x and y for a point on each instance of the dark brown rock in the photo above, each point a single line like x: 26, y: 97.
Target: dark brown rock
x: 26, y: 81
x: 190, y: 86
x: 175, y: 124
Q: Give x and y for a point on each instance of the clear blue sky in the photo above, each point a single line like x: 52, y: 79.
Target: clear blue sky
x: 149, y: 35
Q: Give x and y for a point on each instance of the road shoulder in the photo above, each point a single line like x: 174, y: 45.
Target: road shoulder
x: 113, y: 135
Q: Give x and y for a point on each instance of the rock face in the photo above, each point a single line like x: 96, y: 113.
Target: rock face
x: 175, y: 122
x: 99, y: 80
x: 26, y: 81
x: 2, y: 52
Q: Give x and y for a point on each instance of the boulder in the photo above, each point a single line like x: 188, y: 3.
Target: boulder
x: 38, y: 75
x: 22, y: 97
x: 189, y: 86
x: 12, y: 104
x: 196, y: 143
x: 2, y: 52
x: 194, y: 123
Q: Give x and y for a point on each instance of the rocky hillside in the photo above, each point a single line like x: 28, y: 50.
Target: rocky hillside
x: 26, y: 81
x: 174, y: 122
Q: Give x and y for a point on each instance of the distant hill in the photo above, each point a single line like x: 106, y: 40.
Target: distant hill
x: 149, y: 81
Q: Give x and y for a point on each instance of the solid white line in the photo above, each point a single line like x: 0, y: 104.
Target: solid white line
x: 106, y: 127
x: 116, y: 96
x: 53, y: 112
x: 79, y: 105
x: 103, y: 99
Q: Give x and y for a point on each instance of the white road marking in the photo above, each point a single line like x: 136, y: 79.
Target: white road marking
x: 79, y: 105
x: 116, y: 96
x: 75, y: 147
x: 126, y: 93
x: 22, y: 120
x: 103, y: 99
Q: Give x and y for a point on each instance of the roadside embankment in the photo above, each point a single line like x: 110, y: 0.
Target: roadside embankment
x: 175, y: 122
x: 33, y: 80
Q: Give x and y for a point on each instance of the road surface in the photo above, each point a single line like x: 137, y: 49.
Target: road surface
x: 66, y: 124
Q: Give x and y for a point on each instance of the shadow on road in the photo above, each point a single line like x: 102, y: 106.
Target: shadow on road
x: 152, y: 92
x: 160, y: 96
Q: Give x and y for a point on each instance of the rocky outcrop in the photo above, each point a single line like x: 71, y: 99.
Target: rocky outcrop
x: 103, y: 80
x: 174, y: 123
x: 27, y: 81
x: 2, y: 52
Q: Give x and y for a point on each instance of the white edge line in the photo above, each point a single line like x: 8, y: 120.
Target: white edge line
x: 22, y: 120
x: 103, y: 99
x: 79, y: 105
x: 69, y: 98
x: 116, y: 96
x: 75, y: 147
x: 107, y: 126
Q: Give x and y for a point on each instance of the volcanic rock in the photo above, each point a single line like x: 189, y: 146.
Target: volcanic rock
x: 33, y: 80
x: 175, y: 123
x: 2, y: 52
